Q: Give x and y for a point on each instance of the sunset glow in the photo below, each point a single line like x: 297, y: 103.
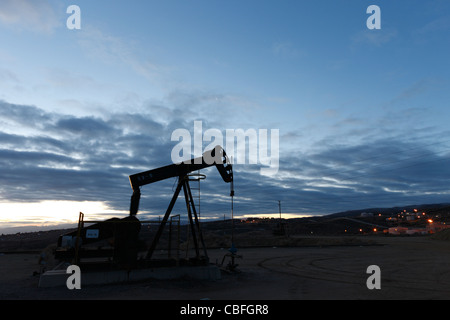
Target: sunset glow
x: 49, y: 213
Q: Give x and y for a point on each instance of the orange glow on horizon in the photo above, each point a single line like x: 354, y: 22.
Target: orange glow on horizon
x: 49, y: 213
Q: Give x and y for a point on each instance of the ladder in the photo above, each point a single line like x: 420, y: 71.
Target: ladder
x: 197, y: 177
x: 195, y: 204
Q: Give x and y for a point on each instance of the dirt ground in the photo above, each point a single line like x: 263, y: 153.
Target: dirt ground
x: 411, y: 268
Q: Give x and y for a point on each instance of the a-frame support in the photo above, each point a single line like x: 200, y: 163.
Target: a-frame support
x: 183, y: 182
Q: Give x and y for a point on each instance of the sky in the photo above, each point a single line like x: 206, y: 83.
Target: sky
x: 362, y: 114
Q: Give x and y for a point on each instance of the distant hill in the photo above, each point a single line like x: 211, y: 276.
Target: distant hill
x: 384, y: 211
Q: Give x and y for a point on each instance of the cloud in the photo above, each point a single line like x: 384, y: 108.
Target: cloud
x: 412, y: 167
x: 84, y: 127
x: 17, y: 118
x: 371, y: 173
x: 219, y: 110
x: 375, y: 38
x: 121, y: 52
x: 86, y: 158
x: 64, y: 157
x: 286, y: 50
x: 436, y: 25
x: 414, y: 90
x: 31, y: 15
x: 8, y: 76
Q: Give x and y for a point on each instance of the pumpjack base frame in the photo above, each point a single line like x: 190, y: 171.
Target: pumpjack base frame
x: 58, y: 277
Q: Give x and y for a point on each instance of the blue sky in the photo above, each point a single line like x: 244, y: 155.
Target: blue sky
x: 363, y: 114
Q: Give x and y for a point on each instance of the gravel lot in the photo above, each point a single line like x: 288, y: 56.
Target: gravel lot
x: 411, y: 268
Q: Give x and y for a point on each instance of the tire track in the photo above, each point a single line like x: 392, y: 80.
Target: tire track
x: 308, y: 271
x: 324, y: 269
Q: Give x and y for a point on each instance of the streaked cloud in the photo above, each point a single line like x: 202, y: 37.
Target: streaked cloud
x: 74, y: 158
x: 286, y: 49
x: 375, y: 38
x: 31, y: 15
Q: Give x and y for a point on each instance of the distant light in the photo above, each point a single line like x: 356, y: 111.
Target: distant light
x: 430, y: 220
x: 374, y: 229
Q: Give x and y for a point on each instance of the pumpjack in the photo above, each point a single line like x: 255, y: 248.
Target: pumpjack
x: 123, y: 234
